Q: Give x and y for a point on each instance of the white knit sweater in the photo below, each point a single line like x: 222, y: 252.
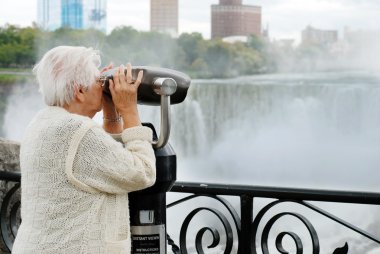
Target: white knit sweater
x: 75, y: 184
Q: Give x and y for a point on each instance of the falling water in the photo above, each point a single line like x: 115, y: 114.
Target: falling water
x: 307, y: 130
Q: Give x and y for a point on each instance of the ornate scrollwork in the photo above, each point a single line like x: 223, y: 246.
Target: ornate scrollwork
x: 280, y: 236
x: 214, y: 233
x: 341, y: 250
x: 9, y: 219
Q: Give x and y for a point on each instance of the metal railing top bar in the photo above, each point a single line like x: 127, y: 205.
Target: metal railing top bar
x: 278, y: 192
x: 300, y: 194
x: 10, y: 176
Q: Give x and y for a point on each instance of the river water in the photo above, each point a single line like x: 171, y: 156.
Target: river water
x: 313, y: 130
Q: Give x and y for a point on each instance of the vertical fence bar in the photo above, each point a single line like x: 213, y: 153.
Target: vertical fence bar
x: 246, y: 211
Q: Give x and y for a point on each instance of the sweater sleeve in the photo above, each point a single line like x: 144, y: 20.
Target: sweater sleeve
x: 113, y: 167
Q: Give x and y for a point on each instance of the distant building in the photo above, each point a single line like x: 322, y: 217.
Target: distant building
x: 232, y: 18
x: 233, y: 39
x: 164, y: 16
x: 362, y: 40
x: 72, y: 14
x: 284, y: 43
x: 312, y: 35
x: 361, y: 35
x: 76, y: 14
x: 265, y: 33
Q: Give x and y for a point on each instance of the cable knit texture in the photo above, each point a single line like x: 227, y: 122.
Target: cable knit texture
x: 75, y: 184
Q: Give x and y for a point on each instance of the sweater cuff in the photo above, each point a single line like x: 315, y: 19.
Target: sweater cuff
x: 137, y: 133
x: 116, y: 137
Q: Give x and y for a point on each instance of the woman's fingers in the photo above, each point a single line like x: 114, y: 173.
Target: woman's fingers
x: 121, y: 70
x: 117, y: 79
x: 103, y: 69
x: 123, y: 89
x: 110, y: 66
x: 122, y: 77
x: 139, y: 78
x: 129, y: 74
x: 124, y: 80
x: 112, y: 87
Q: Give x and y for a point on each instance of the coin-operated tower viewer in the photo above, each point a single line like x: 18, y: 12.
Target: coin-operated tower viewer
x: 159, y: 87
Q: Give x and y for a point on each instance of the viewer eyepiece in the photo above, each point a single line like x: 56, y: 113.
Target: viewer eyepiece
x: 155, y: 83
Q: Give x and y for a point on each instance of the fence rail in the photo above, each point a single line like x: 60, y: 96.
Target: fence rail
x: 247, y: 225
x: 243, y: 232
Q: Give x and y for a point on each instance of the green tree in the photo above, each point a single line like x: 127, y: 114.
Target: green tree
x: 257, y: 43
x: 7, y: 55
x: 246, y: 60
x: 192, y: 45
x: 125, y: 44
x: 17, y: 46
x: 9, y: 35
x: 218, y: 57
x: 190, y: 53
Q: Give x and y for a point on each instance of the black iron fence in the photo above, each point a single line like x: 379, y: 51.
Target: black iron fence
x: 253, y: 231
x: 246, y: 229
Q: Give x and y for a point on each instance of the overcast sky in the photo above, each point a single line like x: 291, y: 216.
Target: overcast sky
x: 285, y: 18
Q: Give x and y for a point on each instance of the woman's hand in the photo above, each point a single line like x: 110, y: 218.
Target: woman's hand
x: 111, y: 120
x: 109, y: 110
x: 124, y: 95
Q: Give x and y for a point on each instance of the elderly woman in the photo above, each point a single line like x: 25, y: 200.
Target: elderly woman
x: 75, y: 176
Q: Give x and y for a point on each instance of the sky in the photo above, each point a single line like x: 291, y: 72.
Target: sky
x: 285, y: 18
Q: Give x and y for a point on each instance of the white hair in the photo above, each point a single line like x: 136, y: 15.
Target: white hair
x: 63, y: 68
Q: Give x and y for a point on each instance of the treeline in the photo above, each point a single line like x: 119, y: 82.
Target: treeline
x: 17, y: 46
x: 191, y: 53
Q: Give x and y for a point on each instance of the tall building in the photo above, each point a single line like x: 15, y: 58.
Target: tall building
x: 164, y: 16
x: 72, y: 14
x: 312, y: 35
x: 76, y: 14
x: 232, y: 18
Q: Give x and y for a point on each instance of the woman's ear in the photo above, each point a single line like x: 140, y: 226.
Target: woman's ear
x: 79, y: 93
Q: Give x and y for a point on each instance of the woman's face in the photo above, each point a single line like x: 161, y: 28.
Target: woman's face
x: 93, y: 98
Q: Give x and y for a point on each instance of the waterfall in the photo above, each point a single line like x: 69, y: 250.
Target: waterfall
x: 306, y: 130
x: 23, y: 103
